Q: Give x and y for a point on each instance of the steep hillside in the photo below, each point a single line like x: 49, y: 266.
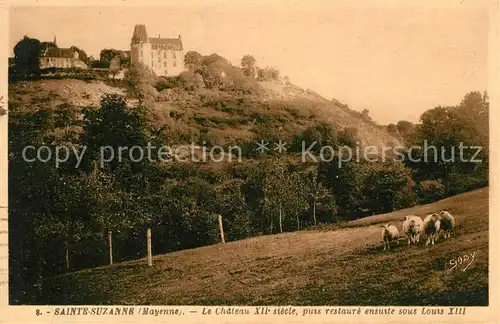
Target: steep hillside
x: 338, y: 267
x: 279, y: 109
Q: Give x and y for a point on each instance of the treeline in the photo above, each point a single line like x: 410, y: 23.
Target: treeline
x: 60, y: 217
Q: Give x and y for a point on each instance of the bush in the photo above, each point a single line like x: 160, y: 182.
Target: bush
x: 430, y: 190
x: 319, y: 135
x: 389, y: 185
x: 459, y: 182
x: 191, y: 81
x: 268, y: 74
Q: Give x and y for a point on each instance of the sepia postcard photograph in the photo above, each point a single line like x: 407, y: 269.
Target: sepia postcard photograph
x: 250, y: 158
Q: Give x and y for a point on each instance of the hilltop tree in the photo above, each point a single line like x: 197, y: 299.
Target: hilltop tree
x: 27, y: 54
x: 393, y: 130
x: 248, y: 64
x: 405, y: 129
x: 81, y: 54
x: 193, y: 61
x: 107, y: 55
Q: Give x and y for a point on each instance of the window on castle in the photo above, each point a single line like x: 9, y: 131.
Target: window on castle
x: 173, y: 55
x: 164, y: 63
x: 165, y: 54
x: 175, y: 63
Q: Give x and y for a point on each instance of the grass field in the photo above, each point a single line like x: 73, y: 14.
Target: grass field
x: 344, y: 266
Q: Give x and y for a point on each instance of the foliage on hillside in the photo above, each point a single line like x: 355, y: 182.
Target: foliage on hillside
x: 67, y: 211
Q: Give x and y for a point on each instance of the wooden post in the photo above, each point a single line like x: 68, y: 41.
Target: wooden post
x: 281, y: 226
x: 67, y: 257
x: 221, y: 230
x: 150, y: 254
x: 110, y: 247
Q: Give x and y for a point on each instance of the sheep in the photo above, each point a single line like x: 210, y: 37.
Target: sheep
x: 412, y: 227
x: 432, y: 225
x: 447, y: 223
x: 389, y: 233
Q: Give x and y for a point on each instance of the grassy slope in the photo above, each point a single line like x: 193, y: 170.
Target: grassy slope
x: 189, y: 114
x: 341, y: 267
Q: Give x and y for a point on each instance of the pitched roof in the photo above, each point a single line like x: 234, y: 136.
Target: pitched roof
x: 170, y: 42
x: 140, y: 34
x: 59, y: 52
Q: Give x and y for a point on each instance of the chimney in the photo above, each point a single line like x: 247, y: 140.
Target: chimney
x: 158, y: 35
x: 55, y: 40
x: 179, y: 36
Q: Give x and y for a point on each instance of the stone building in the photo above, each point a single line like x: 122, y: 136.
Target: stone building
x: 54, y: 57
x: 164, y: 56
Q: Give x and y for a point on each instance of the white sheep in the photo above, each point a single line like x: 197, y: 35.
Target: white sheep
x: 447, y: 223
x: 389, y: 233
x: 412, y: 227
x: 432, y: 225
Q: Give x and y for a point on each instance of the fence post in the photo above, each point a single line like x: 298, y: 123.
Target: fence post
x: 221, y: 230
x: 110, y: 247
x: 150, y: 254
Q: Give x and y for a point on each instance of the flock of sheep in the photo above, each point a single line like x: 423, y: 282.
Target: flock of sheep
x: 413, y: 226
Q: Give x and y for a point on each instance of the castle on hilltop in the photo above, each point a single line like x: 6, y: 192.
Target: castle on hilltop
x: 165, y: 56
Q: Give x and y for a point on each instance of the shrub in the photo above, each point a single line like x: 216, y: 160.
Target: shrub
x: 430, y: 190
x: 460, y: 182
x: 320, y: 135
x: 191, y: 81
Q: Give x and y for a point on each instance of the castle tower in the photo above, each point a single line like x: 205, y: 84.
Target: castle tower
x: 163, y: 56
x: 140, y: 46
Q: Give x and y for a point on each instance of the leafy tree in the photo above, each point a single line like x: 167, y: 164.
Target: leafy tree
x: 443, y: 130
x: 474, y: 109
x: 317, y: 193
x: 322, y: 134
x: 232, y: 206
x: 284, y: 195
x: 389, y: 185
x: 189, y: 212
x: 348, y: 136
x: 107, y: 55
x: 248, y: 65
x: 268, y: 73
x: 141, y: 80
x: 116, y: 125
x: 81, y: 54
x: 405, y: 129
x: 193, y: 61
x: 393, y: 130
x: 27, y: 54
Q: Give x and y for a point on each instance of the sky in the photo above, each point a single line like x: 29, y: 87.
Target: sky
x: 394, y: 59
